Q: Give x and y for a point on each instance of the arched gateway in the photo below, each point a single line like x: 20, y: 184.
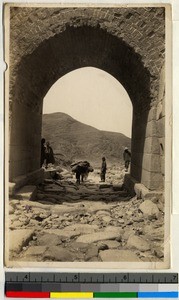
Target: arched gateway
x: 47, y: 43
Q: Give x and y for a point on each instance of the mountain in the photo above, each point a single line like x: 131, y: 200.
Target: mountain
x: 73, y: 140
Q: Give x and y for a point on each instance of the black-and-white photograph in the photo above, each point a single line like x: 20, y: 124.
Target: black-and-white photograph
x: 88, y: 136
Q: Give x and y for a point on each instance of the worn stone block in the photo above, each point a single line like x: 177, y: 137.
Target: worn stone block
x: 140, y: 190
x: 163, y: 107
x: 162, y: 84
x: 162, y: 163
x: 151, y: 129
x: 151, y: 163
x: 154, y: 194
x: 159, y: 110
x: 12, y: 188
x: 153, y: 181
x: 152, y: 114
x: 28, y: 192
x: 152, y: 145
x: 162, y: 145
x: 20, y: 181
x: 161, y: 127
x: 34, y: 177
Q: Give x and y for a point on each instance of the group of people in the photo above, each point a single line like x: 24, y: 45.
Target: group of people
x: 47, y: 156
x: 82, y: 168
x: 127, y: 160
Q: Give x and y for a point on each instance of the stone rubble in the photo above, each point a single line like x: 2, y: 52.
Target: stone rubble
x: 69, y: 222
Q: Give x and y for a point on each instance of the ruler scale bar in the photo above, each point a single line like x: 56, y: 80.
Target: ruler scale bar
x: 91, y: 285
x: 92, y: 277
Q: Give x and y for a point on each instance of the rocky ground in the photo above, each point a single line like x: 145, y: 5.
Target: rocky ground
x: 92, y: 221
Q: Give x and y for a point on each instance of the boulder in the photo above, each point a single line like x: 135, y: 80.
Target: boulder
x: 11, y: 209
x: 100, y: 206
x: 158, y: 252
x: 138, y: 242
x: 111, y: 244
x: 106, y: 219
x: 79, y: 247
x: 149, y: 209
x: 45, y: 215
x: 57, y: 253
x: 118, y: 256
x: 108, y: 234
x: 19, y: 239
x: 82, y: 228
x: 127, y: 233
x: 102, y: 213
x: 14, y: 202
x: 16, y: 224
x: 62, y: 232
x: 92, y: 251
x: 49, y: 239
x: 35, y: 251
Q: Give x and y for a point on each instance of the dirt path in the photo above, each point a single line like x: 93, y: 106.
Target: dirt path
x: 89, y: 222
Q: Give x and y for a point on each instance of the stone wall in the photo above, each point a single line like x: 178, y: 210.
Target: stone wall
x: 46, y: 44
x: 143, y: 29
x: 160, y: 121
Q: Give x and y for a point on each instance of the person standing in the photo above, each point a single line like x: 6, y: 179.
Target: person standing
x: 127, y: 158
x: 103, y: 169
x: 43, y: 152
x: 78, y: 174
x: 49, y: 154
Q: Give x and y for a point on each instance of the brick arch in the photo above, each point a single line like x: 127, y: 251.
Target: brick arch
x: 76, y: 48
x: 141, y: 28
x: 81, y: 42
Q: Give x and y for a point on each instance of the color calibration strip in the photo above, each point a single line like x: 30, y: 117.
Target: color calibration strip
x: 78, y: 295
x: 91, y: 285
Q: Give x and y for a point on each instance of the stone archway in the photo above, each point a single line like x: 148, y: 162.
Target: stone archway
x: 56, y: 41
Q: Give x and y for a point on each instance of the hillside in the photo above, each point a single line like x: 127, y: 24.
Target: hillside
x: 74, y: 140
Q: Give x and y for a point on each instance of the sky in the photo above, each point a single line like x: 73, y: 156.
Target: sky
x: 93, y: 97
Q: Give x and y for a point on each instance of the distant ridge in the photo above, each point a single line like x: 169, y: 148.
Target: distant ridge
x: 75, y: 140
